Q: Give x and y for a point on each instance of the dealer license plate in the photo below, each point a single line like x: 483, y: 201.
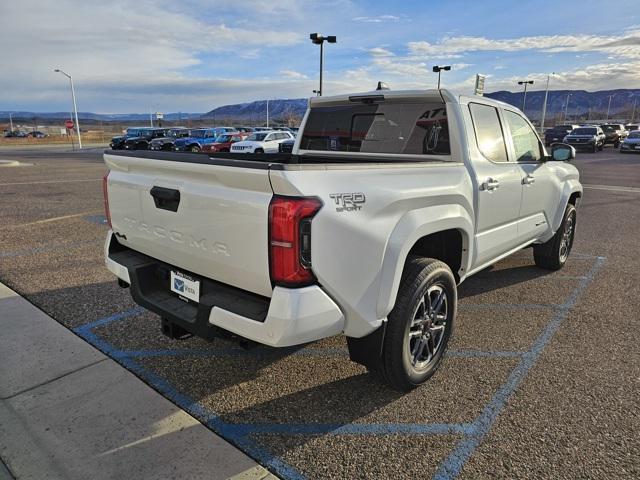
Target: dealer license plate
x: 185, y: 286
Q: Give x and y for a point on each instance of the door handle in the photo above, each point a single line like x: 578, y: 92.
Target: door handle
x: 490, y: 184
x: 528, y: 180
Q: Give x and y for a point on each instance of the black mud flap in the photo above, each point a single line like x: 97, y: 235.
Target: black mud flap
x: 367, y: 350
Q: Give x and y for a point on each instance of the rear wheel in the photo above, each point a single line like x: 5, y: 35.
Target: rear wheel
x: 553, y: 254
x: 194, y: 149
x: 420, y: 324
x: 258, y: 150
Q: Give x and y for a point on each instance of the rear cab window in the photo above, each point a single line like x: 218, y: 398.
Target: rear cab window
x: 394, y: 128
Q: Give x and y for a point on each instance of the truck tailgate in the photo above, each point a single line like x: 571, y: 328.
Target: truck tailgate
x: 219, y: 228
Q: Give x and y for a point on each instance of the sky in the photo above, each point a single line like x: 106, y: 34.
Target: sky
x: 194, y: 55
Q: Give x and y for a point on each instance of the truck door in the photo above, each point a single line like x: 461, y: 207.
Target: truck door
x: 541, y: 188
x: 498, y: 184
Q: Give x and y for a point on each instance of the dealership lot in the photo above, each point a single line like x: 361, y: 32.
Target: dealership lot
x: 541, y: 378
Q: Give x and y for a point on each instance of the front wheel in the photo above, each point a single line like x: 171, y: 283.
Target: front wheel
x: 258, y: 150
x: 616, y: 144
x: 420, y: 324
x: 601, y: 147
x: 553, y: 254
x: 194, y: 149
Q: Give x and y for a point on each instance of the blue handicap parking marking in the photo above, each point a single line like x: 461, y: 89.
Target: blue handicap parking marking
x: 472, y: 434
x: 97, y: 219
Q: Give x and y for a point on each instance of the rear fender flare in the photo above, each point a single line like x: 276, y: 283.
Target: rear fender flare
x: 411, y: 227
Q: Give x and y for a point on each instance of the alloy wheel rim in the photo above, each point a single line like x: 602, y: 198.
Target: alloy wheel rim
x: 428, y: 324
x: 567, y: 238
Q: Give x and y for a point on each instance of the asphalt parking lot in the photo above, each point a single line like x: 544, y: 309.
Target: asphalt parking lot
x: 542, y: 379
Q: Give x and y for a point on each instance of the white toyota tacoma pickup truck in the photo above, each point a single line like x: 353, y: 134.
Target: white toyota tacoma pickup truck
x: 388, y: 202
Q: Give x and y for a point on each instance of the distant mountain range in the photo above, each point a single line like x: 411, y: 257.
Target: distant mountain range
x: 581, y: 103
x: 100, y: 117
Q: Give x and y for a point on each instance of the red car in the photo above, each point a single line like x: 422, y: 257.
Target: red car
x: 224, y: 141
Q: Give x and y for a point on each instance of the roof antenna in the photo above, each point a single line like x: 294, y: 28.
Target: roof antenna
x: 382, y: 86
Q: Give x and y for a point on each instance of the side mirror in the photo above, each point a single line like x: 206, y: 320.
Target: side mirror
x: 561, y: 152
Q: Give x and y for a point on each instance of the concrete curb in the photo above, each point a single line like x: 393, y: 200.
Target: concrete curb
x: 67, y: 411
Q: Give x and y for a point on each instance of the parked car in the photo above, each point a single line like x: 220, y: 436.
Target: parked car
x: 557, y: 133
x: 144, y: 138
x: 286, y: 146
x: 630, y: 127
x: 15, y: 134
x: 223, y: 142
x: 614, y: 133
x: 199, y: 138
x: 261, y: 142
x: 590, y: 138
x: 244, y: 129
x: 356, y: 233
x: 631, y: 143
x: 166, y: 143
x: 117, y: 143
x: 37, y: 134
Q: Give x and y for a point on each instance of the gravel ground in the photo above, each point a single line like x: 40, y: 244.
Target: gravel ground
x: 573, y: 413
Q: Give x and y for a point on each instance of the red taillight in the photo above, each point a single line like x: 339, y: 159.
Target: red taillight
x: 105, y: 193
x: 290, y: 239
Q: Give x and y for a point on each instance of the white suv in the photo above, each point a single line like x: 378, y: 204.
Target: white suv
x: 262, y: 142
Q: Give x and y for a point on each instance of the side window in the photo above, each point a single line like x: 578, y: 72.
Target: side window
x: 525, y: 141
x: 489, y: 135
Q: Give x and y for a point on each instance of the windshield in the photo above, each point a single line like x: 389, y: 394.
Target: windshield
x: 224, y: 138
x: 197, y: 133
x: 634, y: 135
x: 584, y: 131
x: 177, y: 133
x: 256, y: 137
x: 609, y: 128
x: 392, y: 128
x: 134, y: 132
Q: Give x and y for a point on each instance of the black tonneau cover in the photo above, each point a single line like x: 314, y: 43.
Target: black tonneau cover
x: 261, y: 160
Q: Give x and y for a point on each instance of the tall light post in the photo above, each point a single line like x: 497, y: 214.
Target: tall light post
x: 544, y: 104
x: 566, y: 107
x: 267, y: 113
x: 11, y: 121
x: 75, y: 107
x: 438, y: 69
x: 633, y: 113
x: 609, y: 106
x: 525, y: 83
x: 319, y: 39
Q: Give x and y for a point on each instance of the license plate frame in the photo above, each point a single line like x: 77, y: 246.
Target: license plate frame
x: 185, y: 286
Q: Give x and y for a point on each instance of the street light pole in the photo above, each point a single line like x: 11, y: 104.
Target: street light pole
x: 438, y: 69
x: 566, y: 107
x: 544, y: 104
x: 319, y: 39
x: 75, y: 107
x: 525, y: 83
x: 633, y: 113
x: 609, y: 106
x: 267, y: 113
x: 11, y: 121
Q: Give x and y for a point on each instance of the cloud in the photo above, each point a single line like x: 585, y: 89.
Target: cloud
x: 626, y: 45
x: 380, y: 52
x: 292, y: 74
x: 378, y: 19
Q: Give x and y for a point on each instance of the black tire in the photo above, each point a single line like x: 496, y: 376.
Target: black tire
x: 258, y: 150
x: 194, y: 149
x: 594, y: 149
x: 553, y: 254
x: 601, y: 147
x: 406, y: 338
x: 616, y: 144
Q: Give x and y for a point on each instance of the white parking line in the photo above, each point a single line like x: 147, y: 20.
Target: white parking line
x: 55, y: 219
x: 613, y: 188
x: 50, y: 181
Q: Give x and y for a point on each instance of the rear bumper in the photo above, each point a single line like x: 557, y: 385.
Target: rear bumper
x: 289, y: 317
